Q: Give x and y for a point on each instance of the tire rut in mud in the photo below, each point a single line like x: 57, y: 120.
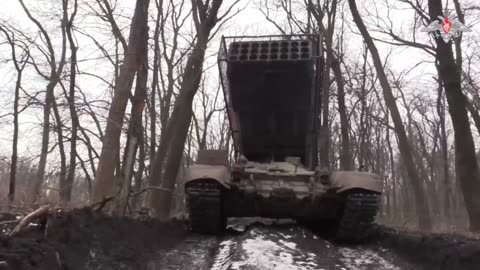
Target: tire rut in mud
x: 296, y: 248
x: 275, y: 247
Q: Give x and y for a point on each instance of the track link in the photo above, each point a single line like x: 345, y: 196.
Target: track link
x: 358, y: 217
x: 205, y: 206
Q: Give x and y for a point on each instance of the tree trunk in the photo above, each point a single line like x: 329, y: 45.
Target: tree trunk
x: 87, y: 175
x: 467, y: 169
x: 92, y: 153
x: 54, y: 78
x: 135, y: 130
x: 178, y: 123
x: 474, y: 113
x: 63, y: 158
x: 423, y: 210
x: 327, y: 35
x: 205, y: 18
x: 71, y: 106
x: 392, y: 165
x: 363, y: 101
x: 458, y: 41
x: 156, y: 63
x: 38, y: 182
x: 346, y: 160
x: 13, y: 165
x: 19, y: 68
x: 137, y: 186
x: 104, y: 180
x: 444, y: 145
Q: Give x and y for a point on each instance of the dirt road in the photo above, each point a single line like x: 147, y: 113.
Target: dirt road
x: 274, y: 248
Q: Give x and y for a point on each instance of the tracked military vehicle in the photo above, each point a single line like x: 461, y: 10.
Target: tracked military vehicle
x: 271, y: 92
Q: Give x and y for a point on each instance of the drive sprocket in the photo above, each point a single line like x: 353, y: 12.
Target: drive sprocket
x: 358, y: 217
x: 205, y: 207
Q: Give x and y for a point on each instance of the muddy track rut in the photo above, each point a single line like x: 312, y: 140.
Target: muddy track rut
x: 274, y: 248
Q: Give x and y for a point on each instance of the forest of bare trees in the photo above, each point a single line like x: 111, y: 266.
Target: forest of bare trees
x: 109, y: 100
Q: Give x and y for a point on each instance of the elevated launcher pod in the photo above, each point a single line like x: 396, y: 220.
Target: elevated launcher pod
x: 271, y: 89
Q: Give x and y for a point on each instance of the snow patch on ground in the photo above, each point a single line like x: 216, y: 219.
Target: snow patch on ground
x: 264, y: 254
x: 290, y: 245
x: 363, y: 259
x: 328, y: 245
x: 286, y: 236
x: 223, y: 258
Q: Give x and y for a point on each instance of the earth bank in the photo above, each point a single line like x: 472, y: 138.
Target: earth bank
x: 85, y: 239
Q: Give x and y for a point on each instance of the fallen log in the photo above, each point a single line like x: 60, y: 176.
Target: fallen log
x: 42, y: 211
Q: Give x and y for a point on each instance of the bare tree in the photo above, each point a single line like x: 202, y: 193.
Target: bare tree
x: 206, y: 17
x: 53, y: 78
x: 209, y: 108
x: 440, y: 106
x: 467, y: 169
x: 172, y: 57
x: 155, y: 77
x: 135, y: 130
x: 71, y: 104
x: 61, y: 148
x: 19, y: 67
x: 327, y: 34
x: 346, y: 160
x: 294, y: 23
x: 404, y: 145
x: 104, y: 180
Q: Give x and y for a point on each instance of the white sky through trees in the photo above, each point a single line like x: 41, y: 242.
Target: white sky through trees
x: 250, y: 21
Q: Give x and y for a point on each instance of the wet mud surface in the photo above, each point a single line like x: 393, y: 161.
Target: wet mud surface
x: 84, y: 240
x: 285, y: 247
x: 431, y: 251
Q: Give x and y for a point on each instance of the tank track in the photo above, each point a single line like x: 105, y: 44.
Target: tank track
x: 205, y: 207
x: 358, y: 217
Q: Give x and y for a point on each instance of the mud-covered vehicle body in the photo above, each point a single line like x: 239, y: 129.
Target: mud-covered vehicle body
x: 271, y: 93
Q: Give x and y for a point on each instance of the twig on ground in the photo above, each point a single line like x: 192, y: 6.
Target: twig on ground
x: 29, y: 218
x: 60, y: 265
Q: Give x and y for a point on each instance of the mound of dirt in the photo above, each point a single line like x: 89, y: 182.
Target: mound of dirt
x: 432, y: 251
x: 82, y: 239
